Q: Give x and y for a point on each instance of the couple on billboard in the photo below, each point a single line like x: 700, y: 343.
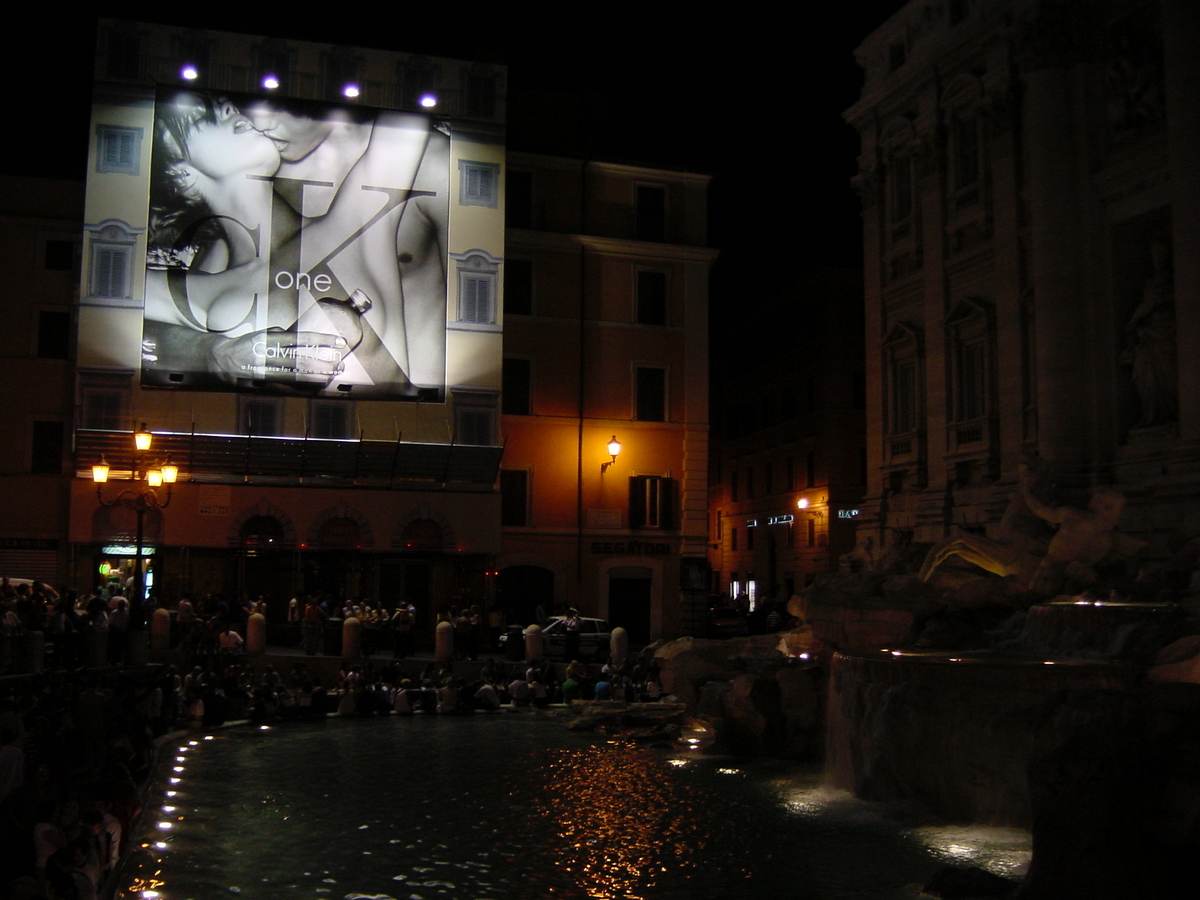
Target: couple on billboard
x: 295, y: 249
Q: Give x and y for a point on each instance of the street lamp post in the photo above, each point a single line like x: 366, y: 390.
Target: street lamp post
x: 139, y: 500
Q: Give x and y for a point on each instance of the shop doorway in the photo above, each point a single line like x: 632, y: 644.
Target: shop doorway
x: 629, y: 600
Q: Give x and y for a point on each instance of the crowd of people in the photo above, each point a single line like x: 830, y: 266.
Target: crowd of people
x: 75, y: 749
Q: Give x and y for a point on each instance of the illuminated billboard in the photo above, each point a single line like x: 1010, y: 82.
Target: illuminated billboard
x: 295, y: 248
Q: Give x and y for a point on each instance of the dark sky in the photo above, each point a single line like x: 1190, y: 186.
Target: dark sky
x: 754, y: 101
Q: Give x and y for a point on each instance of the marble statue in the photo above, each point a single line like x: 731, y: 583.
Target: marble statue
x: 1083, y: 538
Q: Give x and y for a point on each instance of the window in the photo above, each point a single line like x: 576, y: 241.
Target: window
x: 330, y: 419
x: 475, y: 299
x: 341, y: 67
x: 650, y: 393
x: 58, y: 255
x: 273, y: 57
x: 972, y: 381
x: 481, y: 94
x: 477, y: 273
x: 518, y: 199
x: 514, y: 497
x: 475, y: 418
x: 900, y: 194
x: 110, y: 251
x: 651, y: 298
x: 769, y: 479
x: 47, y: 448
x: 810, y: 468
x: 652, y: 502
x: 54, y: 334
x: 734, y: 491
x: 790, y: 475
x: 124, y: 53
x: 750, y: 483
x: 518, y: 287
x: 902, y: 350
x: 479, y: 184
x: 965, y: 138
x: 193, y: 47
x: 118, y: 149
x: 517, y: 381
x: 260, y: 416
x: 749, y: 538
x: 968, y: 335
x: 904, y: 405
x: 812, y: 532
x: 419, y: 75
x: 104, y: 398
x: 651, y: 201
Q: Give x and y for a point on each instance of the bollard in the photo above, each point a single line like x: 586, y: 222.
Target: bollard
x: 256, y: 634
x: 95, y: 649
x: 351, y: 638
x: 33, y: 652
x: 160, y: 630
x: 137, y: 647
x: 535, y: 642
x: 618, y: 645
x: 443, y: 641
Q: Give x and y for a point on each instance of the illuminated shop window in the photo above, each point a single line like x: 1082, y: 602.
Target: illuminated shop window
x: 118, y: 149
x: 479, y: 184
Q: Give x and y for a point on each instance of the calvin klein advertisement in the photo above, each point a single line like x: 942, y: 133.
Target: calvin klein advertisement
x: 296, y: 248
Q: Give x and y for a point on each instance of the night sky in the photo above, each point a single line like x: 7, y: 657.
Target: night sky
x: 754, y: 101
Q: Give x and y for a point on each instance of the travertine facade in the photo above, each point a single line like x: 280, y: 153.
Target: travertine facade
x: 1030, y: 179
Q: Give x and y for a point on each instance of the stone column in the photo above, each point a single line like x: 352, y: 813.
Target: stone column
x: 1181, y: 39
x: 1056, y: 167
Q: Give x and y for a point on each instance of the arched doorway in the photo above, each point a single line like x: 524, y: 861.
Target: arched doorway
x: 261, y: 544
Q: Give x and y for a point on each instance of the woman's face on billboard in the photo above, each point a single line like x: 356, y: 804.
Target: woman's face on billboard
x: 231, y: 146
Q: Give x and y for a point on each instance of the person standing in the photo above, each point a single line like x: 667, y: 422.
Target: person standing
x: 573, y: 624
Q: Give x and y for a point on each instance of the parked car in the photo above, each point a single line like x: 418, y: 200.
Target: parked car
x: 594, y: 637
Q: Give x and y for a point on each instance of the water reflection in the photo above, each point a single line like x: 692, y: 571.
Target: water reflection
x: 628, y: 822
x: 511, y: 806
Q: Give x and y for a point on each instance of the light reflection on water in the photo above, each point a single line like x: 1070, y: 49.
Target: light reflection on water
x: 514, y: 806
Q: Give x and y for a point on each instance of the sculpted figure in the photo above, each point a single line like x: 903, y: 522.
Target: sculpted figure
x: 1083, y: 538
x: 1150, y: 344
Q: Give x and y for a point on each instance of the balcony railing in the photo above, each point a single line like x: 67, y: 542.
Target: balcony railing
x: 229, y: 458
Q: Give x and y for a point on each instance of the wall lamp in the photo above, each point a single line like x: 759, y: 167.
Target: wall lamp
x: 614, y: 447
